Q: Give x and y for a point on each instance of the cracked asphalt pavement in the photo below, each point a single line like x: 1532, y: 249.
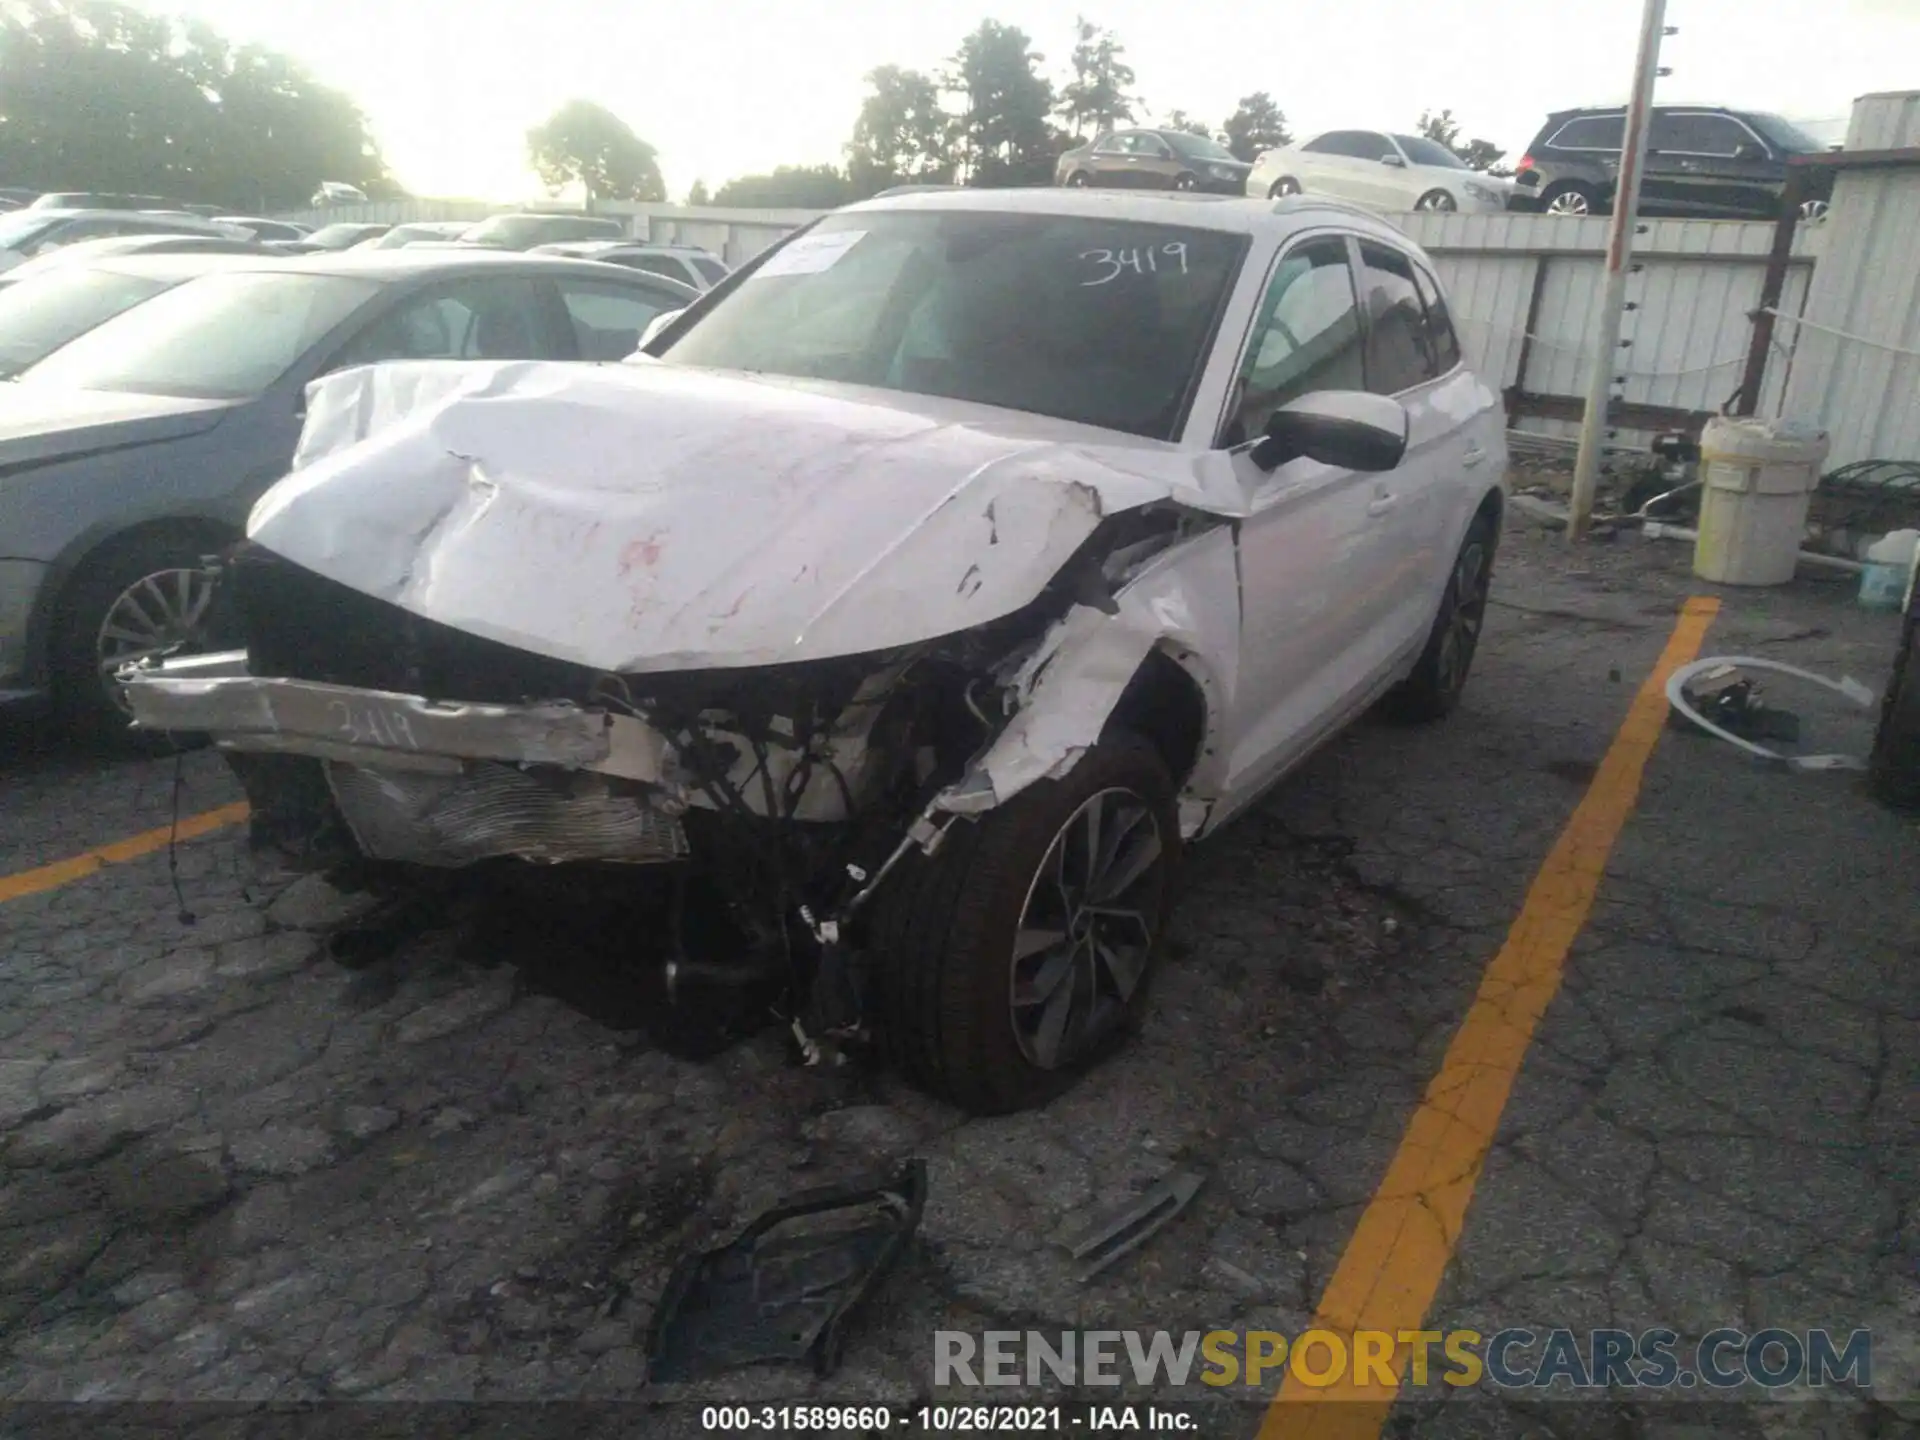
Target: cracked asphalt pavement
x: 232, y: 1168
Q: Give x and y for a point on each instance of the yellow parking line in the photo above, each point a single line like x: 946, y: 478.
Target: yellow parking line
x: 1393, y: 1264
x: 78, y: 867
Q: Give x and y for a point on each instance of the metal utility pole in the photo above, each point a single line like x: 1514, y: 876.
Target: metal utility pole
x: 1626, y: 209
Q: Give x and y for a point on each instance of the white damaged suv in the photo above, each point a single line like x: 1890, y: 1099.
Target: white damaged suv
x: 914, y: 597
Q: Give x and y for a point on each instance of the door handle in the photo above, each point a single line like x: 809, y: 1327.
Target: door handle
x: 1473, y: 457
x: 1381, y: 504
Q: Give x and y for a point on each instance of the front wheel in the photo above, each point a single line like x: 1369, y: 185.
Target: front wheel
x: 1183, y: 182
x: 1078, y: 179
x: 1436, y: 200
x: 139, y: 598
x: 1020, y: 953
x: 1286, y: 185
x: 1433, y: 688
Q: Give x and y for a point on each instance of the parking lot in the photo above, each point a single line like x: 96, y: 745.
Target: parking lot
x: 235, y: 1168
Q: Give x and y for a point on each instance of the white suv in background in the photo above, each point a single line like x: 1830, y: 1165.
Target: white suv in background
x: 1378, y: 169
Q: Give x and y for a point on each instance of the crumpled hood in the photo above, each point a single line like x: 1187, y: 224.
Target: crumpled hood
x: 39, y: 425
x: 647, y: 516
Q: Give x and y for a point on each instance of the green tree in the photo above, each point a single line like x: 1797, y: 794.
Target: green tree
x: 1256, y: 124
x: 587, y: 144
x: 1180, y: 120
x: 1004, y: 137
x: 790, y: 187
x: 97, y: 95
x: 1443, y: 129
x: 901, y: 135
x: 698, y: 194
x: 1096, y: 99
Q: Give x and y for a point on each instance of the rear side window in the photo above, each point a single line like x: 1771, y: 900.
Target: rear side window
x: 1398, y: 353
x: 1356, y: 144
x: 665, y: 265
x: 710, y: 270
x: 1306, y: 337
x: 1442, y: 343
x: 1590, y: 132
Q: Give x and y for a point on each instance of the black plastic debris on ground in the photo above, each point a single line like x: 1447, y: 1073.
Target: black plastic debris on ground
x: 785, y: 1289
x: 1736, y: 707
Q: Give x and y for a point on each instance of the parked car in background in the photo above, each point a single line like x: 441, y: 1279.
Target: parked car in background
x: 343, y: 235
x: 35, y: 231
x: 1702, y: 160
x: 262, y: 229
x: 524, y: 231
x: 104, y: 200
x: 414, y: 232
x: 135, y: 449
x: 1379, y: 169
x: 688, y: 264
x: 12, y: 197
x: 113, y: 247
x: 336, y: 192
x: 1153, y: 160
x: 976, y: 552
x: 42, y: 311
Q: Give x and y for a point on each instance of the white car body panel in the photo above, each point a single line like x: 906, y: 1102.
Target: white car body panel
x: 1386, y: 188
x: 571, y: 511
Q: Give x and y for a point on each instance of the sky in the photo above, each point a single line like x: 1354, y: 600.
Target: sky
x: 729, y: 87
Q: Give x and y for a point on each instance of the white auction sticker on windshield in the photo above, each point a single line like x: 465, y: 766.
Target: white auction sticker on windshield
x: 810, y: 254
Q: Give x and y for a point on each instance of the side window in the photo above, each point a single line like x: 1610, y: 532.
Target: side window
x: 1153, y: 147
x: 657, y: 265
x: 477, y: 319
x: 1373, y: 146
x: 1442, y: 342
x: 608, y: 319
x: 1398, y: 357
x: 1321, y: 144
x: 1591, y: 132
x: 1306, y: 337
x: 1697, y: 135
x: 1111, y: 145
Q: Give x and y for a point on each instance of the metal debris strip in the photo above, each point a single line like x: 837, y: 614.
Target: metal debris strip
x: 786, y: 1287
x: 1719, y: 666
x: 1124, y: 1229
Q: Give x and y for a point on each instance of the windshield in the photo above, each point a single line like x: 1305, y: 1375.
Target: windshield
x: 17, y: 231
x: 1785, y: 135
x: 1422, y: 151
x: 1198, y: 147
x: 220, y: 337
x: 1083, y: 318
x: 39, y: 315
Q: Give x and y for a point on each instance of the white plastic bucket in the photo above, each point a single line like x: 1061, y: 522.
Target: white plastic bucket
x: 1758, y: 477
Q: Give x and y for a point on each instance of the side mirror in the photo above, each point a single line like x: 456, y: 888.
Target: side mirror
x: 656, y: 325
x: 1394, y: 160
x: 1348, y: 429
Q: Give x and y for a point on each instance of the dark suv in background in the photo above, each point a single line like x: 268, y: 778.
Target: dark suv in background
x: 1702, y: 160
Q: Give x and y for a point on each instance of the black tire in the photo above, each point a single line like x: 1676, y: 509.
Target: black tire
x: 1286, y: 185
x: 1440, y: 675
x: 1570, y: 197
x: 1437, y: 200
x: 84, y: 697
x: 947, y: 926
x: 1079, y: 179
x: 1894, y: 769
x: 1184, y: 182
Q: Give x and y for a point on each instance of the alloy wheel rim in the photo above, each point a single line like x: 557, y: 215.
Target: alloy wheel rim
x: 157, y: 614
x: 1077, y: 178
x: 1813, y: 210
x: 1466, y: 612
x: 1087, y: 929
x: 1436, y: 202
x: 1567, y: 202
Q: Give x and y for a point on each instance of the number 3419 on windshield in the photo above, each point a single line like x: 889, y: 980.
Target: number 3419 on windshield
x: 1141, y: 259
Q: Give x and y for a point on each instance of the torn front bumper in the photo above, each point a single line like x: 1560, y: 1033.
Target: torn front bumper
x: 436, y: 783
